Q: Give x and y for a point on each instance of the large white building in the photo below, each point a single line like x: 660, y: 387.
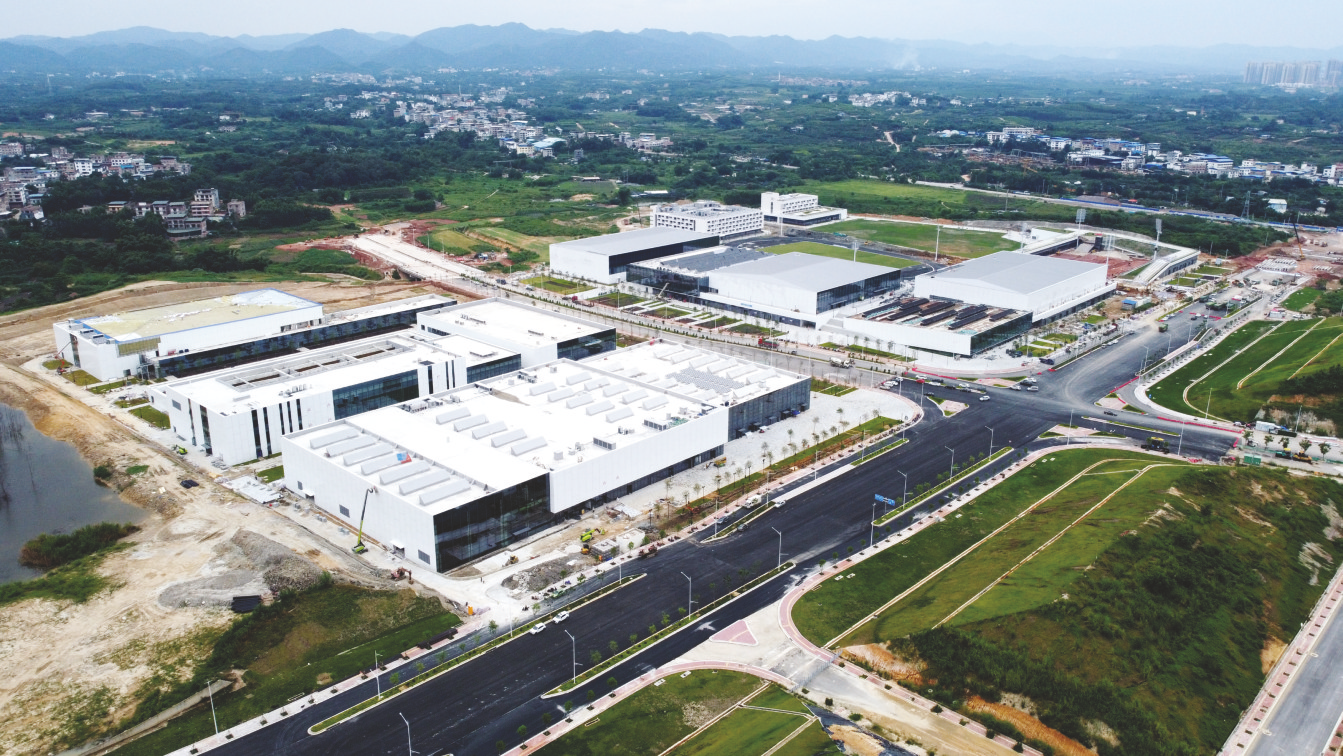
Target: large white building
x: 239, y: 414
x: 122, y: 344
x: 708, y: 217
x: 798, y: 209
x: 1047, y: 287
x: 793, y: 287
x: 535, y: 333
x: 604, y: 258
x: 458, y: 474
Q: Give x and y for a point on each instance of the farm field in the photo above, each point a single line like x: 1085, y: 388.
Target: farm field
x: 538, y: 244
x: 955, y: 241
x: 826, y: 250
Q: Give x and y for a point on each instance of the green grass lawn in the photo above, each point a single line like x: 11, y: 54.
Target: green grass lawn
x: 836, y: 605
x: 775, y: 697
x: 744, y: 732
x: 153, y: 417
x: 448, y: 241
x: 810, y: 742
x: 79, y: 377
x: 1168, y: 392
x: 538, y: 244
x: 557, y: 285
x: 651, y: 720
x: 826, y: 250
x: 755, y: 330
x: 1095, y: 319
x: 271, y: 474
x: 1231, y: 402
x: 954, y: 241
x: 667, y: 312
x: 864, y: 350
x: 718, y: 322
x: 617, y: 299
x: 1297, y: 300
x: 822, y: 386
x: 1065, y: 338
x: 1172, y: 590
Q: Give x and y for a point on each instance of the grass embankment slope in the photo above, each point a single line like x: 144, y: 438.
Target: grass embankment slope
x: 1265, y: 377
x: 1136, y: 629
x: 297, y: 645
x: 951, y: 240
x: 653, y: 719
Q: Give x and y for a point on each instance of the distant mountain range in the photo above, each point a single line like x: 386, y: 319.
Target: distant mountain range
x: 147, y: 50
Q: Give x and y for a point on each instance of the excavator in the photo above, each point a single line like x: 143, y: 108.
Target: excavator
x: 359, y: 546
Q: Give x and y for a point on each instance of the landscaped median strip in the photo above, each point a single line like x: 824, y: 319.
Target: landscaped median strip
x: 454, y: 663
x: 667, y: 631
x: 953, y: 481
x: 874, y: 455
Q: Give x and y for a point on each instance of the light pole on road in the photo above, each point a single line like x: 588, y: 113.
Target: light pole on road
x: 409, y: 751
x: 689, y: 593
x: 951, y: 473
x: 904, y: 495
x: 776, y: 530
x: 990, y: 440
x: 574, y: 642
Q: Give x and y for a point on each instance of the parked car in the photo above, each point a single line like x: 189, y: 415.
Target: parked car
x: 537, y: 628
x: 562, y: 616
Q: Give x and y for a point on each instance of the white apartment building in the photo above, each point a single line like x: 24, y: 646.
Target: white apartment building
x: 798, y: 209
x: 708, y: 217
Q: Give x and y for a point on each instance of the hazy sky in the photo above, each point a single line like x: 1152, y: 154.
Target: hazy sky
x: 1194, y: 23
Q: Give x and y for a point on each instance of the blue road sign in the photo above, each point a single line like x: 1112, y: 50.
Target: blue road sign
x: 884, y: 500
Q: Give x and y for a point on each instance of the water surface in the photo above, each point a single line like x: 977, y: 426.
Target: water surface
x: 45, y: 487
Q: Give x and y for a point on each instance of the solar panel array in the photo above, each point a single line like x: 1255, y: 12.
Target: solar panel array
x: 700, y: 379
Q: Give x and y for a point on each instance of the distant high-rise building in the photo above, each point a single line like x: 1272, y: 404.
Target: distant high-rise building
x: 1308, y: 73
x: 1333, y: 74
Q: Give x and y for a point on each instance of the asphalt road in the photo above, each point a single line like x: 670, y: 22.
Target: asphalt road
x: 467, y: 710
x: 1304, y: 717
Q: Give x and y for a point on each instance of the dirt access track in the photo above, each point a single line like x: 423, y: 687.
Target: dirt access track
x: 67, y: 662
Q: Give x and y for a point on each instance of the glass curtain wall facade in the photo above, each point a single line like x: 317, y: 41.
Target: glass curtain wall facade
x: 190, y: 363
x: 491, y: 522
x: 371, y: 395
x: 770, y: 408
x: 490, y: 369
x: 587, y: 346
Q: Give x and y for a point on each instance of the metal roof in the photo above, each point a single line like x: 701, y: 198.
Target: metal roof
x: 1012, y: 271
x: 808, y: 272
x: 635, y: 241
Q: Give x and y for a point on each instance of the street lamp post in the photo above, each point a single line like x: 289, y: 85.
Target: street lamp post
x: 872, y: 526
x: 905, y: 494
x: 376, y: 678
x: 210, y: 689
x: 951, y: 473
x: 689, y: 593
x: 574, y: 642
x: 990, y: 440
x: 409, y: 751
x: 780, y: 562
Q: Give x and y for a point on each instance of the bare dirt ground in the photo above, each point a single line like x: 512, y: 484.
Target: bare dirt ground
x: 68, y: 663
x: 1031, y: 727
